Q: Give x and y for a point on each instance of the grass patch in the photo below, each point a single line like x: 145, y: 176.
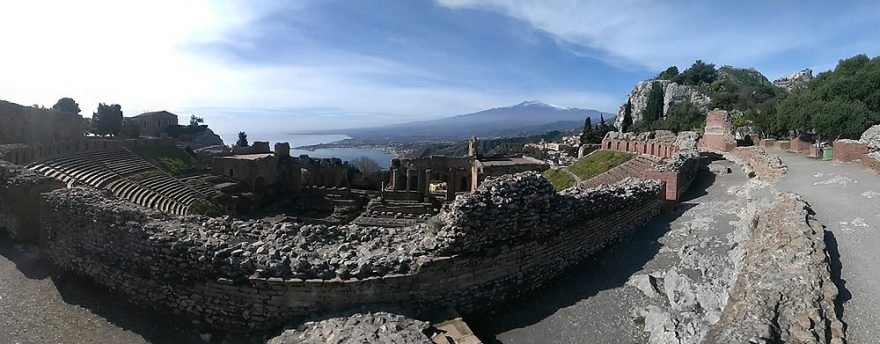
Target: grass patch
x: 560, y: 179
x: 171, y: 159
x: 598, y: 162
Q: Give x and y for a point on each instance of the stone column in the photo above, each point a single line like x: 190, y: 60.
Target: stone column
x: 408, y: 179
x: 451, y: 185
x: 420, y: 183
x: 395, y: 183
x: 426, y: 185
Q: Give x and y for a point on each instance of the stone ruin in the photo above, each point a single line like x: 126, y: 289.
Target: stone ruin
x: 718, y: 134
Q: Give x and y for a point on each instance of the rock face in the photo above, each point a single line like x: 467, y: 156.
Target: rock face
x: 871, y: 137
x: 673, y: 94
x: 783, y: 292
x: 202, y: 139
x: 794, y: 81
x: 379, y: 327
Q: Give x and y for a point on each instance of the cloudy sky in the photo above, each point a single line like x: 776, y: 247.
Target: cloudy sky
x: 277, y: 66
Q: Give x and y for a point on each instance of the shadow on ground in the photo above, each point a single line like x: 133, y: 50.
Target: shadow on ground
x: 608, y: 268
x: 153, y: 326
x: 843, y: 294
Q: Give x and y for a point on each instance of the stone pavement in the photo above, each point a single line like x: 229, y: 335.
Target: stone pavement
x: 846, y: 198
x: 42, y: 304
x: 592, y: 303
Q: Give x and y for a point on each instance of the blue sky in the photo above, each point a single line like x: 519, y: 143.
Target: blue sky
x: 277, y: 66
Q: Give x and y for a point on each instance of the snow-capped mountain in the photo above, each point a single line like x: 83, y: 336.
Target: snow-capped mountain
x: 528, y: 117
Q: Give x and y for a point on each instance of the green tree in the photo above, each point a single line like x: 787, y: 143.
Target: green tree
x: 699, y: 73
x: 588, y: 134
x: 627, y: 121
x: 66, y: 105
x: 668, y: 74
x: 654, y: 107
x: 242, y: 139
x: 107, y: 120
x: 195, y: 121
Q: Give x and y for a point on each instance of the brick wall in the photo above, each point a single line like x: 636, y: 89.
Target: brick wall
x: 848, y: 151
x: 662, y: 150
x: 797, y: 145
x: 767, y: 143
x: 871, y: 163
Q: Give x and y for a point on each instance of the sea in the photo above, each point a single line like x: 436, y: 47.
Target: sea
x: 382, y: 158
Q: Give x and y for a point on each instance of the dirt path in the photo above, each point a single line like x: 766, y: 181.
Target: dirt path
x: 846, y: 198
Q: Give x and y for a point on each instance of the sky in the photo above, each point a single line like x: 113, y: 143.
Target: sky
x: 297, y: 65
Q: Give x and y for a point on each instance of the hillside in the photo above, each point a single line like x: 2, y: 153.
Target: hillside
x: 526, y: 118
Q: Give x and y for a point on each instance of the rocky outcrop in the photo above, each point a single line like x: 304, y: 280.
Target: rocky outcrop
x: 794, y: 81
x: 871, y: 137
x: 673, y: 94
x: 201, y: 139
x: 783, y: 291
x: 378, y: 327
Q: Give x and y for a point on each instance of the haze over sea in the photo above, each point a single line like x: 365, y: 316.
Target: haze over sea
x: 346, y: 154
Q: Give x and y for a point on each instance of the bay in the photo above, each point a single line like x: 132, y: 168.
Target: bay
x: 382, y: 158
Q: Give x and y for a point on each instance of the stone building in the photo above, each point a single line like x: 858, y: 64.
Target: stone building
x: 265, y: 171
x: 411, y: 178
x: 23, y: 124
x: 153, y: 123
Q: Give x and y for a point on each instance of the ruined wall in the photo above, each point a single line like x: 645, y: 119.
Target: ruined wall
x: 24, y: 124
x: 497, y: 244
x: 767, y: 167
x: 783, y: 291
x: 20, y: 191
x: 718, y: 133
x: 23, y: 154
x: 849, y: 150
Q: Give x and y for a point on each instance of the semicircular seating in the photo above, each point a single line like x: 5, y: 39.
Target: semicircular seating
x: 127, y: 176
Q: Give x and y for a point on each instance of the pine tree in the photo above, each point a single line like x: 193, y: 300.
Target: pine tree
x: 587, y: 136
x: 242, y: 139
x: 627, y: 117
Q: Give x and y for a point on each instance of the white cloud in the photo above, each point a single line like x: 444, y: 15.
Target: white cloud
x: 147, y: 55
x: 653, y: 34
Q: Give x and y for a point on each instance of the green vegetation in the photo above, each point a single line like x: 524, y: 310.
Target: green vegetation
x: 171, y: 159
x: 838, y: 104
x: 561, y: 180
x: 66, y: 105
x: 598, y: 162
x: 594, y: 134
x: 668, y: 74
x: 107, y: 120
x: 627, y: 122
x: 500, y: 146
x: 177, y: 131
x: 242, y: 139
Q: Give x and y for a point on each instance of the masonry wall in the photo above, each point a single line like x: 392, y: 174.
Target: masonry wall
x: 20, y: 191
x: 23, y: 154
x: 849, y: 150
x: 24, y: 124
x: 662, y: 150
x: 497, y: 260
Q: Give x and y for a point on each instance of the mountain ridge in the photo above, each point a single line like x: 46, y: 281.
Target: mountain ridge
x: 527, y: 117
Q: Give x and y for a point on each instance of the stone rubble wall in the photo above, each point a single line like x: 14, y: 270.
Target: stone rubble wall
x: 766, y: 167
x: 378, y: 327
x: 848, y: 150
x: 783, y: 292
x: 509, y: 237
x: 20, y: 191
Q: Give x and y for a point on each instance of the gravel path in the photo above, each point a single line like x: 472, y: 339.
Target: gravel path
x: 42, y: 304
x: 591, y: 303
x: 846, y: 198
